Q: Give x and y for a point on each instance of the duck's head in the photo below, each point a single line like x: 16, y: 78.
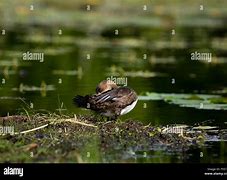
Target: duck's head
x: 105, y: 85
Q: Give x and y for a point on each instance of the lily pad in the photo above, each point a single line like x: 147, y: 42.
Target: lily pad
x: 11, y: 98
x: 205, y: 127
x: 24, y: 88
x: 198, y: 101
x: 145, y: 74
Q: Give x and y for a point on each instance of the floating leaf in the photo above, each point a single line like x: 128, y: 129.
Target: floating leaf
x: 23, y: 88
x: 205, y: 127
x: 145, y: 74
x: 198, y: 101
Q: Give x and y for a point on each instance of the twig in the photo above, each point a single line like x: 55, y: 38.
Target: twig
x: 73, y: 120
x: 78, y: 122
x: 31, y: 130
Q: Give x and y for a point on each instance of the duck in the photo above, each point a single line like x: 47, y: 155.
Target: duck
x: 110, y: 100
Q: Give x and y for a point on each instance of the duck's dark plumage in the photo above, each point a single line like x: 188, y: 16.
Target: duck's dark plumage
x: 81, y: 101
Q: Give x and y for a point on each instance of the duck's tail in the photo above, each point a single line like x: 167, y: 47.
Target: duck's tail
x: 81, y: 101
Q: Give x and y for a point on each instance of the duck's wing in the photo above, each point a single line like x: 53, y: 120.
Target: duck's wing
x: 122, y: 96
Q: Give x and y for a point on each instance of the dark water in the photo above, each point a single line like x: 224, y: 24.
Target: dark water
x: 67, y: 71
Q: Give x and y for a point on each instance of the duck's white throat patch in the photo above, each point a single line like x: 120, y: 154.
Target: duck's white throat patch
x: 128, y: 108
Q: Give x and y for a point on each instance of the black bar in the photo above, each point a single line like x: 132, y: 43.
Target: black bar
x: 115, y: 171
